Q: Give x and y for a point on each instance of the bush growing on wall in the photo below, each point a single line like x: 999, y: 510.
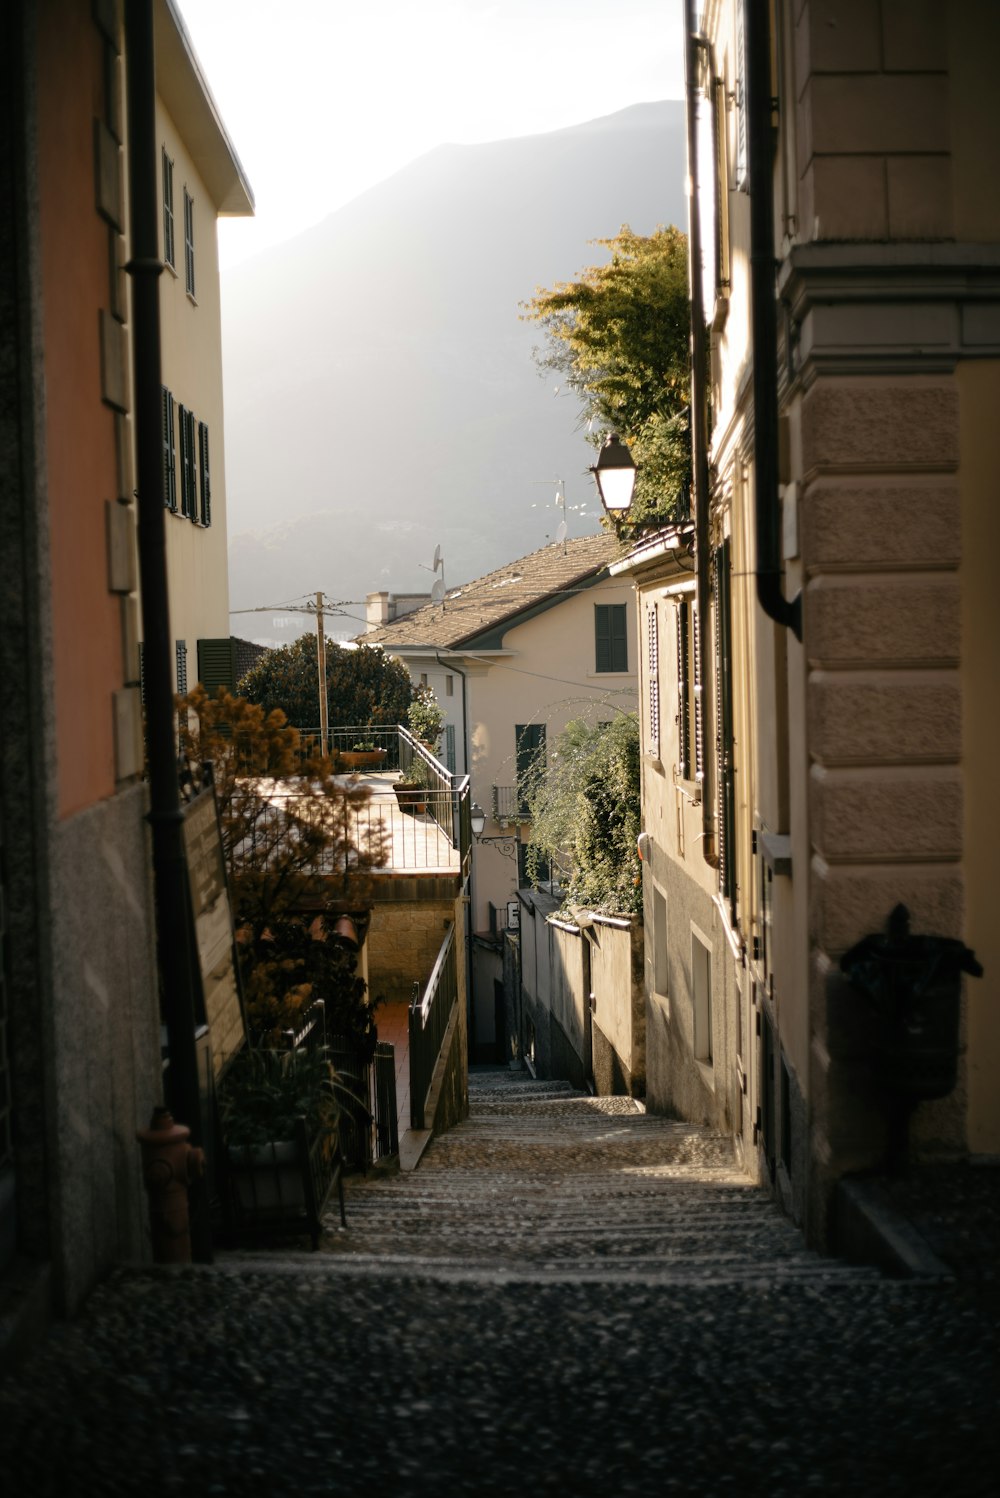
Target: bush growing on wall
x: 584, y: 808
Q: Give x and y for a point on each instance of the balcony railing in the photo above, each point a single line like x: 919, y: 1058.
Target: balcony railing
x: 433, y: 834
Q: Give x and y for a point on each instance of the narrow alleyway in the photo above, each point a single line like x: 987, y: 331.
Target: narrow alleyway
x: 567, y: 1296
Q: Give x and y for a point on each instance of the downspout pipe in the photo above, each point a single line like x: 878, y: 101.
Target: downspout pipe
x: 470, y: 902
x: 696, y: 43
x: 172, y: 904
x: 763, y: 323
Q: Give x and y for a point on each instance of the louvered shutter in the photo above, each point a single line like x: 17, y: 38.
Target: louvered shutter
x: 742, y: 156
x: 653, y: 667
x: 188, y: 505
x: 206, y: 477
x: 217, y: 665
x: 169, y: 463
x: 699, y: 715
x: 683, y: 693
x: 180, y: 651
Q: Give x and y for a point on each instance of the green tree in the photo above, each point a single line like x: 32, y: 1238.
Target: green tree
x: 363, y: 685
x: 618, y: 336
x: 584, y: 808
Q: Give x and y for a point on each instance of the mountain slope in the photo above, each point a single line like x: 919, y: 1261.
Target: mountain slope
x: 380, y: 392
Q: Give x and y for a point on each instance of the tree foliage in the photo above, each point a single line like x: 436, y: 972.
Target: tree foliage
x: 618, y: 335
x: 299, y: 850
x: 363, y: 685
x: 584, y: 807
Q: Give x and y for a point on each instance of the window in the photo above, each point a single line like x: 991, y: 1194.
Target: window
x: 189, y: 242
x: 611, y: 638
x: 169, y: 460
x: 168, y: 209
x: 701, y: 994
x: 653, y: 668
x: 189, y: 491
x: 742, y: 156
x: 181, y: 652
x: 449, y: 746
x: 449, y: 686
x: 529, y: 741
x: 206, y: 478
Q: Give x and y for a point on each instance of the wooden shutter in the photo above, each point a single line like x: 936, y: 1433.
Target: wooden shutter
x: 206, y: 477
x: 187, y: 460
x: 742, y: 156
x: 610, y: 637
x: 602, y: 637
x: 653, y: 667
x: 180, y: 650
x: 699, y: 714
x: 169, y: 461
x: 217, y: 665
x: 683, y: 691
x: 529, y: 740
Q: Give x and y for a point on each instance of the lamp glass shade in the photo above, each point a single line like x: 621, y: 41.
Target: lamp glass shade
x: 614, y: 473
x: 477, y: 819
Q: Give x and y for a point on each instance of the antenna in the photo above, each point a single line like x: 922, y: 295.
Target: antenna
x: 437, y: 559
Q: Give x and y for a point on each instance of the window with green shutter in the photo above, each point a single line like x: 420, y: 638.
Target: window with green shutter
x: 189, y: 495
x: 610, y: 637
x: 529, y: 741
x: 217, y: 665
x: 169, y: 460
x: 206, y: 478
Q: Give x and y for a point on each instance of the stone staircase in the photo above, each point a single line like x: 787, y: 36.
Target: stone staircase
x: 545, y: 1183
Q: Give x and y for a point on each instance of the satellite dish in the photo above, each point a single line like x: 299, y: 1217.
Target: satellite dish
x: 561, y: 531
x: 437, y: 592
x: 437, y: 558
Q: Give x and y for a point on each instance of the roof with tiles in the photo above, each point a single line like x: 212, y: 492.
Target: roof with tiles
x: 475, y: 614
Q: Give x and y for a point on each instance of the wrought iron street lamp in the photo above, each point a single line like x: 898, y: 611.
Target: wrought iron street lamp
x: 614, y: 473
x: 505, y: 843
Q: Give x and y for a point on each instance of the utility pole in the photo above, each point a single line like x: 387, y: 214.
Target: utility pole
x: 324, y: 727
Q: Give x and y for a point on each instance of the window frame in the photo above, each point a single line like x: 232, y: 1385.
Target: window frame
x: 189, y: 243
x: 169, y: 244
x: 169, y: 451
x: 204, y: 475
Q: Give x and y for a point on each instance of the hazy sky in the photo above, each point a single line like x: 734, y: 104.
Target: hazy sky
x: 323, y: 98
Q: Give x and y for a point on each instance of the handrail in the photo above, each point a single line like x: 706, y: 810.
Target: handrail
x: 428, y: 1021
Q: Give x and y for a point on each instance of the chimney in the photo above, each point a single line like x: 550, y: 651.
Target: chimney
x: 376, y: 609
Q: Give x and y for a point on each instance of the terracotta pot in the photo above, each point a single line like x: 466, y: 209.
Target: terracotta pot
x: 361, y: 759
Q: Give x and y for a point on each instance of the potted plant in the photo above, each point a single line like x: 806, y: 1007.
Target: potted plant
x: 411, y: 788
x: 364, y: 755
x: 280, y: 1124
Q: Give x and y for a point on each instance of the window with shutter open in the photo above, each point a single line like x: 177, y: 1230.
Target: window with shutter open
x: 189, y: 242
x: 653, y: 669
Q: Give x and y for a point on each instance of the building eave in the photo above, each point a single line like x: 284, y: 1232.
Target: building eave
x: 183, y: 87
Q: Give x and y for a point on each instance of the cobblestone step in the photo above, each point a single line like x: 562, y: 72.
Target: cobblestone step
x: 544, y: 1181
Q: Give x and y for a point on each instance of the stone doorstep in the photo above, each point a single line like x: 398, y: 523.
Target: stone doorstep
x: 869, y: 1230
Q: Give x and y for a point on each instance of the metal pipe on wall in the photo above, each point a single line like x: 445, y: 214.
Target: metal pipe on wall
x: 166, y: 818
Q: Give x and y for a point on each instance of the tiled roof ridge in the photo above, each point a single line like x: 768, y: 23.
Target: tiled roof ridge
x: 569, y: 563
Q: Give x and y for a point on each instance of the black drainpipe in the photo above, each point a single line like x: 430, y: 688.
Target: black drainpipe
x: 173, y: 920
x: 467, y: 756
x: 699, y: 428
x: 763, y: 322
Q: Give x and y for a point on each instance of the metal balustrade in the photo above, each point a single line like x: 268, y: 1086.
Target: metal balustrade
x: 429, y: 1016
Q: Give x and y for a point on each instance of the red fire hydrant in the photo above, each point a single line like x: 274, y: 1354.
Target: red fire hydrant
x: 169, y: 1165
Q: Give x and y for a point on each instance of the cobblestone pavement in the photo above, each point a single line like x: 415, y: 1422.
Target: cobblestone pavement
x: 567, y: 1296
